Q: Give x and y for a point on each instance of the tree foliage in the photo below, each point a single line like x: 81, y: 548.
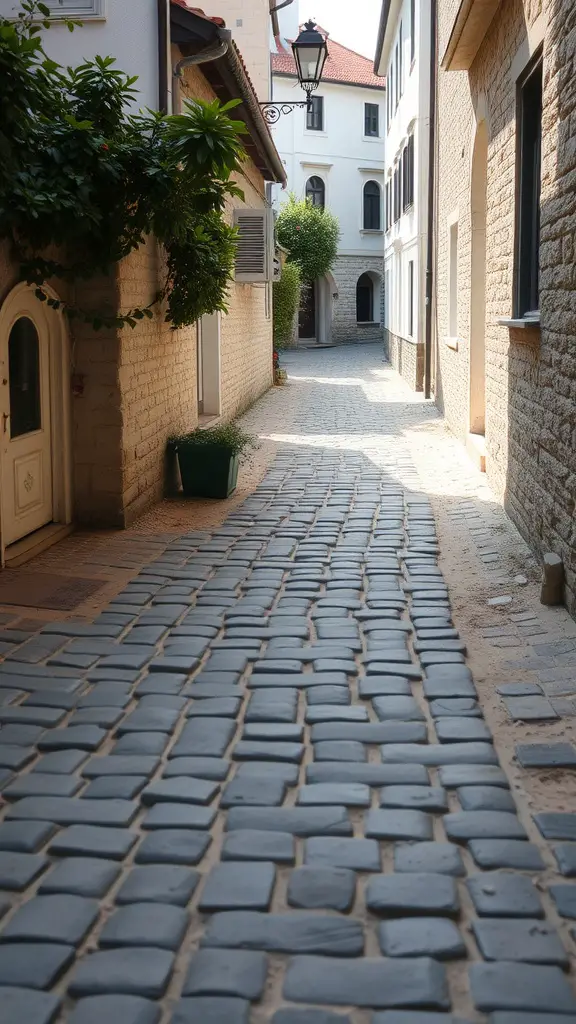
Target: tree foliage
x: 84, y: 182
x: 310, y: 234
x: 286, y: 299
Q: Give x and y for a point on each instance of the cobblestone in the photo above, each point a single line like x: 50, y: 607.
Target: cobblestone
x: 272, y: 733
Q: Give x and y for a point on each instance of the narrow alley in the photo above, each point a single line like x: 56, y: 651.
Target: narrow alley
x: 313, y: 762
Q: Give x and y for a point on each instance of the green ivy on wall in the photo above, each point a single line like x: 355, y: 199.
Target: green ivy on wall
x: 286, y: 295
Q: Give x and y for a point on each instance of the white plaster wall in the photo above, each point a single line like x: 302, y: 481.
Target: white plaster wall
x: 340, y: 154
x: 406, y: 240
x: 128, y: 32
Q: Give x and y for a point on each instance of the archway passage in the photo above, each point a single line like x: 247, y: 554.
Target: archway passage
x: 477, y: 394
x: 365, y: 299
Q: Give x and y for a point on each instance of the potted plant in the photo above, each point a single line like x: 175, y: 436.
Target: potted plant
x: 208, y: 459
x: 280, y: 374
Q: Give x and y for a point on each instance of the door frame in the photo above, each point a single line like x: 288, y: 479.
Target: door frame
x: 22, y: 301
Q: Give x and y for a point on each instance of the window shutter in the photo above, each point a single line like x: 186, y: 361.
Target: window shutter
x: 254, y: 252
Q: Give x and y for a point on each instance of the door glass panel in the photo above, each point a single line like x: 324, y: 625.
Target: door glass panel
x: 24, y: 377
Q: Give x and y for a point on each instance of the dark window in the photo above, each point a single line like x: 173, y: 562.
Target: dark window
x: 400, y: 62
x: 407, y: 161
x: 365, y: 299
x: 397, y: 193
x: 315, y: 116
x: 412, y: 30
x: 396, y: 80
x: 24, y: 377
x: 371, y: 119
x: 388, y: 204
x: 307, y: 311
x: 528, y: 229
x: 315, y: 191
x: 411, y: 298
x: 372, y: 206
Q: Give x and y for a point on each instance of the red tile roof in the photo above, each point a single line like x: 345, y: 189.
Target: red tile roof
x: 342, y: 64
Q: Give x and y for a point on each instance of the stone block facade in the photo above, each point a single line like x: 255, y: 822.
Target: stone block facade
x: 530, y: 374
x: 407, y: 357
x: 345, y: 327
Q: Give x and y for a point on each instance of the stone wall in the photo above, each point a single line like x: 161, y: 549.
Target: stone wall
x: 407, y: 357
x: 346, y: 271
x: 530, y: 374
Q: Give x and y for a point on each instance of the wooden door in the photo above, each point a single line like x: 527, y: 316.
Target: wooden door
x: 25, y: 425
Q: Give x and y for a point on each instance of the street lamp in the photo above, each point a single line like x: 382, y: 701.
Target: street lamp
x: 310, y: 53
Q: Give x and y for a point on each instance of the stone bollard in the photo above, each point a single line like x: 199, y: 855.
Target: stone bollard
x: 553, y: 580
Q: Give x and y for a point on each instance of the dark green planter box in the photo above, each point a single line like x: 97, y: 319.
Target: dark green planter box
x: 207, y: 470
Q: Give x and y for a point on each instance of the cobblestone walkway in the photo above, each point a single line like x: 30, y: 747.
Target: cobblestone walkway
x: 260, y: 786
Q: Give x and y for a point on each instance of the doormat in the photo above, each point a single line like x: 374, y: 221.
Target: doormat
x: 46, y: 590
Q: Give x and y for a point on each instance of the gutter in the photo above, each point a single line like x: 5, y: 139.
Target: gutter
x: 220, y: 49
x: 381, y: 34
x: 163, y: 28
x: 430, y: 247
x: 247, y: 95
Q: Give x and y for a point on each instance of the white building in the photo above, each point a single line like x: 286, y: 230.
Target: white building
x: 335, y: 156
x: 403, y: 57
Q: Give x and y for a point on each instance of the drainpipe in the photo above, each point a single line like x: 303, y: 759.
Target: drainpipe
x: 163, y: 45
x: 211, y: 53
x: 430, y: 248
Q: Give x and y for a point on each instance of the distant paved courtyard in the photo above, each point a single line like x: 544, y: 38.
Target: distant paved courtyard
x: 298, y: 769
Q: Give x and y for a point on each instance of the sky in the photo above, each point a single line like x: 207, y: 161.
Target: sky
x: 351, y: 22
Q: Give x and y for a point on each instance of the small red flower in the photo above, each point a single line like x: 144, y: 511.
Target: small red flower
x: 104, y: 146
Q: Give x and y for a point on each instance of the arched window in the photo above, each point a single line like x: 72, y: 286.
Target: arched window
x: 365, y: 299
x: 372, y: 206
x: 315, y: 190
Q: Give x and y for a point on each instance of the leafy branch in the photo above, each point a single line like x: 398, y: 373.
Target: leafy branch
x: 84, y: 181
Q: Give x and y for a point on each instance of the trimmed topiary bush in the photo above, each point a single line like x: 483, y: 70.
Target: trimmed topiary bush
x: 310, y: 234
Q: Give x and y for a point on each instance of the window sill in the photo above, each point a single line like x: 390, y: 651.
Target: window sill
x: 368, y: 323
x: 371, y: 231
x: 371, y: 138
x: 531, y: 320
x: 453, y: 343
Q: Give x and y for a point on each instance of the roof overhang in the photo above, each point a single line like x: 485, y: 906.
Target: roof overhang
x: 386, y: 32
x: 472, y: 21
x: 192, y: 33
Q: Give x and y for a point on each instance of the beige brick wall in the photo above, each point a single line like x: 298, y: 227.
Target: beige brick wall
x: 246, y: 330
x: 407, y: 357
x: 530, y: 376
x: 157, y: 375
